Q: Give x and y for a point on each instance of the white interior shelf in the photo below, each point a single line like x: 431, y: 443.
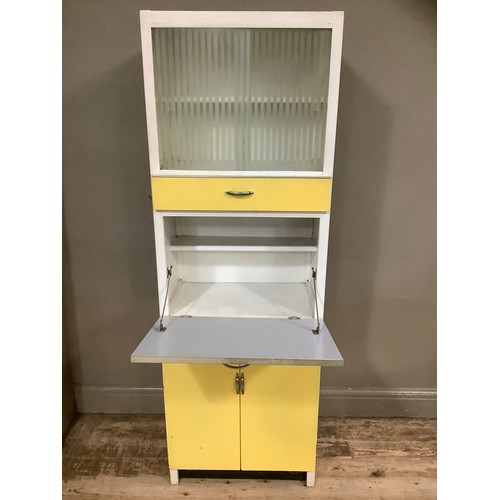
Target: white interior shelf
x: 242, y: 244
x: 250, y: 300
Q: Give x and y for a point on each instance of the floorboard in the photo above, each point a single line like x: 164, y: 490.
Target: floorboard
x: 110, y: 457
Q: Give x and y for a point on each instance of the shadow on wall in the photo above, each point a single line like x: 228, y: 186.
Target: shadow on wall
x: 68, y: 396
x: 361, y: 156
x: 109, y: 260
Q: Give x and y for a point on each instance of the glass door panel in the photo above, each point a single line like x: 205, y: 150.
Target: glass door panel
x: 241, y: 99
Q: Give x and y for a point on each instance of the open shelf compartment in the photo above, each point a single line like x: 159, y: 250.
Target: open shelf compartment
x: 240, y: 267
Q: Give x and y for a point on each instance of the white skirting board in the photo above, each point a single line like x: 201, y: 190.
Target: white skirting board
x: 341, y: 402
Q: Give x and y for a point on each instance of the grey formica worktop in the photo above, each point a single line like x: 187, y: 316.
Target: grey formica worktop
x: 238, y: 341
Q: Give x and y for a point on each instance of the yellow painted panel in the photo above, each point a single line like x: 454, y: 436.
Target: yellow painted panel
x: 279, y: 418
x: 269, y: 194
x: 202, y: 417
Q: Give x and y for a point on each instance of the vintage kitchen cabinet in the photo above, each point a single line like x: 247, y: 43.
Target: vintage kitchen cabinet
x: 241, y: 114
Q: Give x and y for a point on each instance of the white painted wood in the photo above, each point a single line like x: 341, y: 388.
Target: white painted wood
x: 164, y: 229
x: 322, y: 259
x: 244, y: 267
x: 239, y: 19
x: 242, y: 244
x: 310, y: 479
x: 161, y: 258
x: 241, y: 173
x: 266, y: 215
x: 333, y: 93
x: 174, y: 476
x: 247, y: 226
x: 277, y: 341
x: 149, y: 91
x: 244, y: 300
x: 244, y: 19
x: 239, y: 265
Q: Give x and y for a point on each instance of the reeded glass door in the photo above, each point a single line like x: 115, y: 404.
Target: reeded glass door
x: 241, y: 99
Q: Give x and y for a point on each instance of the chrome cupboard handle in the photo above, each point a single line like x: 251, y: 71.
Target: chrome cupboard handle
x: 237, y: 384
x: 242, y: 383
x: 239, y: 193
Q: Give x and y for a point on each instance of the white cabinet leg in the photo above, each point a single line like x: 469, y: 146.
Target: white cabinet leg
x: 174, y: 476
x: 310, y: 478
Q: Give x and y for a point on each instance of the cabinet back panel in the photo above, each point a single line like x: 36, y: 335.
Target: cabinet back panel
x: 244, y: 300
x: 245, y: 226
x: 250, y: 267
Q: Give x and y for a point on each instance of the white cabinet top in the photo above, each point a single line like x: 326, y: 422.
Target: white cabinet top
x: 269, y: 341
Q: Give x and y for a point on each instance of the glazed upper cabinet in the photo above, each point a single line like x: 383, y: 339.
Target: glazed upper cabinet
x: 241, y: 94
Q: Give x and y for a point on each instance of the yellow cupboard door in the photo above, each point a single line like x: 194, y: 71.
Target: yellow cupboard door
x: 202, y: 417
x: 279, y: 418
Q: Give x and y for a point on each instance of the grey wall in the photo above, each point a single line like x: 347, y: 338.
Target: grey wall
x: 381, y: 292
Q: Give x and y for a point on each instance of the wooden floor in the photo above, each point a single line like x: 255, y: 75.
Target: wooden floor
x: 124, y: 456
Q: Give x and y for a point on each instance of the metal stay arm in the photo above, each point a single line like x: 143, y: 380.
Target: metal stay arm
x: 314, y: 274
x: 169, y: 274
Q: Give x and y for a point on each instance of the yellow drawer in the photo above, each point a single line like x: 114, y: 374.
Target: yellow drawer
x: 241, y: 194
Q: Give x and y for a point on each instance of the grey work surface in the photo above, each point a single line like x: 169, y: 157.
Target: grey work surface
x: 238, y: 340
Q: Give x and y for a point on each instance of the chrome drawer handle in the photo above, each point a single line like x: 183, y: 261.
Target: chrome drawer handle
x: 239, y: 193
